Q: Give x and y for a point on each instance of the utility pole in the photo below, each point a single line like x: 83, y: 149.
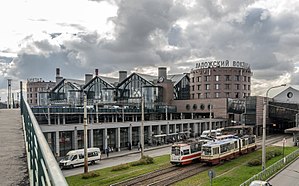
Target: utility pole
x: 9, y: 93
x: 210, y: 121
x: 85, y: 136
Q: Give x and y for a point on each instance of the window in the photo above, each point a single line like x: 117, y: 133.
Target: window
x: 217, y: 94
x: 237, y: 78
x: 248, y: 87
x: 192, y: 87
x: 207, y: 95
x: 81, y: 156
x: 248, y: 79
x: 217, y: 86
x: 192, y: 79
x: 186, y: 152
x: 237, y: 86
x: 227, y: 77
x: 227, y: 86
x: 244, y: 87
x: 198, y: 95
x: 215, y: 150
x: 244, y: 78
x: 217, y: 78
x: 237, y: 95
x: 198, y: 78
x: 74, y: 157
x: 192, y: 96
x: 207, y: 86
x: 207, y: 78
x: 198, y: 87
x: 227, y: 94
x: 30, y: 95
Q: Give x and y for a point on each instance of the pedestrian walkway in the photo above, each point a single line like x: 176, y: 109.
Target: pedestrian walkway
x: 288, y: 176
x: 13, y: 162
x: 126, y: 152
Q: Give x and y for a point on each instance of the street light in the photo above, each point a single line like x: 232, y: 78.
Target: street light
x: 264, y: 126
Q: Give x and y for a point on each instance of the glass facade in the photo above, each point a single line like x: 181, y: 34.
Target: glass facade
x: 65, y: 142
x: 182, y: 89
x: 100, y: 90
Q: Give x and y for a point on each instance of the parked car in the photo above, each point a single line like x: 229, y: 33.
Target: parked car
x: 260, y: 183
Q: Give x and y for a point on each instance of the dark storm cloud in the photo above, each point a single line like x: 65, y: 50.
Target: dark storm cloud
x: 148, y: 33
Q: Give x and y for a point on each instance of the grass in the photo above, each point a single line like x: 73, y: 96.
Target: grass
x: 233, y: 172
x: 230, y: 173
x: 108, y: 176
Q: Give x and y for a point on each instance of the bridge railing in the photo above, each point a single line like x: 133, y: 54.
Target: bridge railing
x: 42, y: 166
x: 274, y: 168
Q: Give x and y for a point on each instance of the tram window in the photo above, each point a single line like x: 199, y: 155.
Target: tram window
x: 186, y: 152
x: 175, y: 151
x: 243, y: 142
x: 216, y: 150
x: 236, y: 144
x: 195, y: 147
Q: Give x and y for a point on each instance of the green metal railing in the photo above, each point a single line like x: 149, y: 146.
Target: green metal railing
x: 42, y: 166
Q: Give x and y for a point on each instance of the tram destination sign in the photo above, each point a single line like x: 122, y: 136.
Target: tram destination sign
x: 225, y: 63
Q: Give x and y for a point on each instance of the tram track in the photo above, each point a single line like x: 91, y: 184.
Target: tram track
x: 174, y: 174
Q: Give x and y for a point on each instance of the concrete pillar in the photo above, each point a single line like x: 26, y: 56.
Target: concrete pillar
x: 75, y: 138
x: 200, y: 128
x: 57, y: 147
x: 49, y: 117
x: 195, y: 129
x: 63, y: 119
x: 116, y: 120
x: 170, y: 116
x: 58, y: 119
x: 105, y: 138
x: 150, y: 134
x: 181, y: 115
x: 189, y: 130
x: 97, y: 113
x: 112, y: 117
x: 130, y: 135
x: 91, y: 137
x: 167, y: 129
x: 80, y: 119
x: 181, y: 127
x: 133, y: 118
x: 192, y: 115
x: 159, y: 129
x: 118, y: 139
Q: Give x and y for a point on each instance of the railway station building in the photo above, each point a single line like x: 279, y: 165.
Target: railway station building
x: 176, y: 106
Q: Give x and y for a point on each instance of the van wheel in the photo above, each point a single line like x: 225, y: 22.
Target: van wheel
x: 71, y: 166
x: 93, y: 162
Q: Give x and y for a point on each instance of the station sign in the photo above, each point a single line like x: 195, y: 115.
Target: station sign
x: 224, y: 63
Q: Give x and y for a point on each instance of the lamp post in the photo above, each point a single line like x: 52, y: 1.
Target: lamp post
x: 264, y: 126
x: 142, y: 126
x: 85, y: 136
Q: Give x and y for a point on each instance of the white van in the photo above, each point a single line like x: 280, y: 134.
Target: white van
x: 76, y: 157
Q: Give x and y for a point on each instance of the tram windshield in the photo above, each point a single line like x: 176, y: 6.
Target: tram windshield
x: 206, y: 150
x: 175, y: 151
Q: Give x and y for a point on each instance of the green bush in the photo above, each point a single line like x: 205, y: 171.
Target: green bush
x: 120, y: 167
x: 90, y: 175
x: 143, y: 161
x: 254, y: 162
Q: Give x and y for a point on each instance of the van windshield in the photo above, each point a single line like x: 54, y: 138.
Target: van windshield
x: 67, y: 157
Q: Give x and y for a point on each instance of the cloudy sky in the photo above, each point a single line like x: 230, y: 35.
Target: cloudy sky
x: 37, y: 36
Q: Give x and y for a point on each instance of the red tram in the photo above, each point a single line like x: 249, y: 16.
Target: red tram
x: 186, y: 153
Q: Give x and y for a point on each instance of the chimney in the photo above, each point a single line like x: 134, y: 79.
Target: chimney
x: 58, y: 77
x: 97, y: 72
x: 88, y: 77
x: 122, y: 76
x: 162, y: 72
